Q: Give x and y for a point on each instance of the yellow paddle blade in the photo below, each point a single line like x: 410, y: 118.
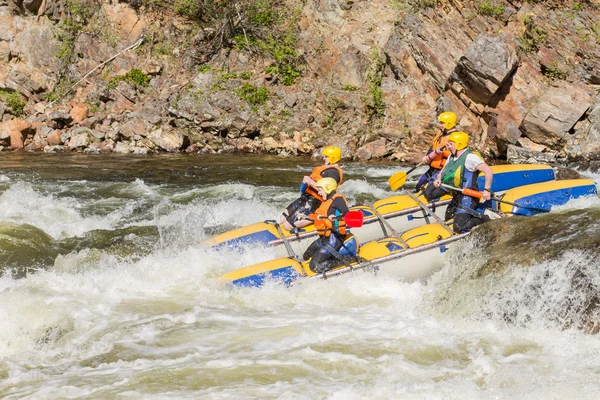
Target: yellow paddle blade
x: 397, y: 180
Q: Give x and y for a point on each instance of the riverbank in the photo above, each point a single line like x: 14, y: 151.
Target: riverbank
x: 288, y: 78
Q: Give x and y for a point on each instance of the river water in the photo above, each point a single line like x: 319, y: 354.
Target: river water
x: 105, y: 294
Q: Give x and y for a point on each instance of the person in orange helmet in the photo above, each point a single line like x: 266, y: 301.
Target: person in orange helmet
x: 310, y: 199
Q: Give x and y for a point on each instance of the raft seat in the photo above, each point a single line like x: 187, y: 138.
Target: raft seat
x: 422, y: 235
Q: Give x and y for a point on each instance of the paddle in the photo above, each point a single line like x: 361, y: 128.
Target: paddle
x: 354, y: 219
x: 479, y: 195
x: 397, y: 180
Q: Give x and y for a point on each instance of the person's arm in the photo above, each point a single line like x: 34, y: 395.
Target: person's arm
x: 438, y: 181
x: 340, y: 206
x: 489, y: 177
x: 432, y: 151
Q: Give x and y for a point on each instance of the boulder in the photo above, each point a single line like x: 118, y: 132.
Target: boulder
x: 555, y: 114
x: 519, y: 155
x: 168, y: 141
x: 80, y: 138
x: 585, y: 143
x: 485, y: 67
x: 16, y: 130
x: 79, y: 112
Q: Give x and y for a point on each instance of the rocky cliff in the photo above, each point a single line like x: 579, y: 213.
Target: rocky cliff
x: 289, y: 76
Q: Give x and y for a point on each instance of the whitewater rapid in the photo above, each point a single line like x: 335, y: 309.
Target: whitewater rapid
x: 155, y: 323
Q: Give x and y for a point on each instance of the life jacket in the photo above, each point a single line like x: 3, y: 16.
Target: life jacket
x: 439, y: 141
x: 323, y: 225
x: 315, y: 175
x: 455, y: 174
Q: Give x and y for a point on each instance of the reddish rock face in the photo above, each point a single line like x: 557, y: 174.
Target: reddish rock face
x: 373, y: 76
x: 16, y: 130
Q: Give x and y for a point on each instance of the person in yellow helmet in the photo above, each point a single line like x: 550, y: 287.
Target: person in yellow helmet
x: 438, y: 154
x: 310, y: 199
x: 330, y: 226
x: 462, y: 170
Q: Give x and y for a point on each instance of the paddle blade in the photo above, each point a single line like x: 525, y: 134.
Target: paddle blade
x: 354, y: 219
x: 397, y: 180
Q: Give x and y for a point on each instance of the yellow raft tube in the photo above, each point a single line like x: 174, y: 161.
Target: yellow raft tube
x: 401, y: 211
x: 418, y: 252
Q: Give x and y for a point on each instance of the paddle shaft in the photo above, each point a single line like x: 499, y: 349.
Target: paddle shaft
x: 479, y: 195
x: 413, y: 168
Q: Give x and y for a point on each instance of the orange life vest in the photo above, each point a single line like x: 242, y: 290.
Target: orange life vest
x: 439, y: 142
x: 315, y: 175
x: 325, y: 226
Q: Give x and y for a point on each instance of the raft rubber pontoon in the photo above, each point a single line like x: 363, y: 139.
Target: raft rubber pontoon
x: 402, y: 212
x: 419, y: 251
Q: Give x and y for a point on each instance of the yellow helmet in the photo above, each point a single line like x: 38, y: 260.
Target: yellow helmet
x: 448, y: 118
x: 334, y: 154
x: 460, y: 139
x: 328, y: 184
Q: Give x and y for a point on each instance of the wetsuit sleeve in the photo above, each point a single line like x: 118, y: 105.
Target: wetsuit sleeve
x: 338, y: 205
x: 331, y: 173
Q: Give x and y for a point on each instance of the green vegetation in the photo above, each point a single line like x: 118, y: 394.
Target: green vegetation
x: 136, y: 76
x: 554, y: 72
x: 69, y: 28
x: 350, y: 88
x: 374, y: 106
x: 265, y: 28
x: 225, y: 76
x: 13, y: 101
x: 282, y: 49
x: 332, y: 105
x: 406, y: 5
x: 252, y: 94
x: 486, y: 7
x: 94, y: 107
x: 533, y: 37
x: 425, y: 3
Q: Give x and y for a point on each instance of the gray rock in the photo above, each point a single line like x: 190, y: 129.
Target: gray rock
x: 80, y: 138
x: 97, y: 134
x: 555, y: 114
x: 54, y: 149
x: 291, y: 99
x: 519, y: 155
x: 27, y: 45
x: 122, y: 147
x: 169, y: 141
x: 585, y: 142
x: 485, y: 66
x: 32, y: 5
x: 60, y: 115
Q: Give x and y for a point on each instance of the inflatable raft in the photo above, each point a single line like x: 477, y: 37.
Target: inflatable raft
x: 402, y: 212
x: 419, y: 251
